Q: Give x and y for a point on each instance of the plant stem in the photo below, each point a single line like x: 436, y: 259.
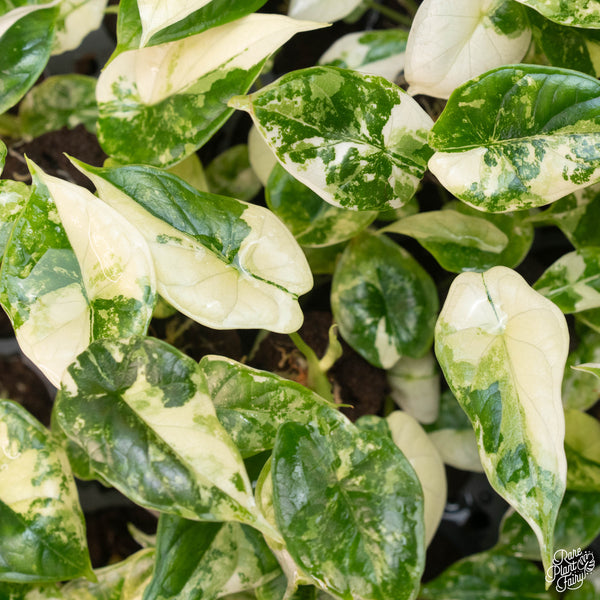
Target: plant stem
x: 390, y: 13
x: 316, y: 378
x: 410, y: 6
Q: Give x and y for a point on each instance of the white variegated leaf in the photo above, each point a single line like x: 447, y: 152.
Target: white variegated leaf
x: 322, y: 10
x: 262, y: 158
x: 574, y: 13
x: 77, y: 18
x: 8, y: 19
x: 451, y: 41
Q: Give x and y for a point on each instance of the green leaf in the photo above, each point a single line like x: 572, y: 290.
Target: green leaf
x: 76, y: 19
x: 252, y: 404
x: 451, y: 41
x: 42, y: 531
x: 208, y: 560
x: 518, y: 137
x: 424, y: 458
x: 314, y: 222
x: 575, y: 13
x: 3, y: 152
x: 59, y: 101
x: 502, y: 347
x: 488, y: 576
x: 191, y: 171
x: 581, y: 390
x: 140, y: 409
x: 383, y: 301
x: 26, y: 37
x: 377, y: 52
x: 577, y: 525
x: 415, y: 386
x: 13, y: 198
x: 230, y: 174
x: 251, y: 269
x: 350, y: 508
x: 582, y: 447
x: 573, y: 281
x: 567, y: 47
x: 190, y: 80
x: 357, y: 140
x: 74, y: 270
x: 124, y: 580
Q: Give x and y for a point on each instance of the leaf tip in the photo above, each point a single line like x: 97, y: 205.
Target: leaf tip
x: 240, y: 103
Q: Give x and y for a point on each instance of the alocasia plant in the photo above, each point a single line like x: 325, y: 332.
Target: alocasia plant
x: 391, y: 206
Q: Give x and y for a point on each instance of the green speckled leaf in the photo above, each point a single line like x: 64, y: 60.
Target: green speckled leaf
x: 59, y: 101
x: 314, y: 222
x: 198, y: 560
x: 580, y: 389
x: 74, y: 270
x: 220, y: 261
x: 140, y: 409
x: 488, y: 576
x: 357, y: 140
x: 451, y: 41
x: 577, y: 525
x: 575, y: 13
x: 26, y: 38
x: 383, y: 301
x: 161, y: 103
x: 77, y: 19
x: 252, y: 404
x: 350, y: 508
x: 378, y: 52
x: 230, y: 174
x: 125, y: 580
x: 13, y: 197
x: 568, y: 47
x: 573, y: 281
x: 582, y: 447
x: 502, y: 347
x: 42, y: 532
x: 519, y: 137
x: 24, y: 591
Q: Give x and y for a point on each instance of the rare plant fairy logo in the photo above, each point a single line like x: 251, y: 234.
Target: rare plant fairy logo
x: 569, y: 569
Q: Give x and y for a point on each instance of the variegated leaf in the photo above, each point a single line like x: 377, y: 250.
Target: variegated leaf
x: 314, y: 222
x: 575, y: 13
x: 518, y: 137
x: 26, y: 38
x: 322, y: 10
x: 74, y: 270
x: 252, y: 404
x: 573, y: 281
x: 383, y: 301
x: 577, y: 525
x: 197, y: 560
x: 350, y: 509
x: 230, y: 174
x: 76, y: 20
x: 452, y: 41
x: 61, y: 100
x: 580, y: 389
x: 13, y: 198
x: 190, y: 80
x: 420, y: 452
x: 220, y: 261
x: 125, y: 580
x: 582, y: 447
x: 357, y: 140
x: 488, y: 576
x: 42, y: 532
x: 140, y: 410
x: 31, y: 591
x: 502, y: 347
x: 378, y: 52
x: 415, y: 386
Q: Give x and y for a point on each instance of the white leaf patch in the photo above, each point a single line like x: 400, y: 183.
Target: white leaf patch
x: 322, y: 10
x: 10, y: 18
x: 80, y: 18
x: 452, y: 41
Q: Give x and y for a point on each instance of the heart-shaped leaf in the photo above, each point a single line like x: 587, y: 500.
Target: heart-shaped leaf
x: 518, y: 137
x: 502, y: 347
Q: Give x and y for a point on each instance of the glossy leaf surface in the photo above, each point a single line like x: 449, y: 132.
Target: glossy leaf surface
x: 252, y: 404
x: 141, y: 411
x: 502, y: 347
x: 383, y: 301
x: 74, y: 271
x: 314, y: 222
x: 573, y: 281
x: 220, y: 261
x: 138, y: 87
x: 357, y: 140
x: 518, y: 137
x: 13, y: 197
x: 42, y: 532
x: 575, y: 13
x: 452, y: 41
x: 352, y: 490
x: 76, y: 19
